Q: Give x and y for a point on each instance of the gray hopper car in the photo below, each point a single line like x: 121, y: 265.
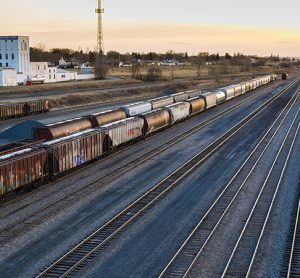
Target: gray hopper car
x: 123, y: 131
x: 179, y: 97
x: 195, y: 93
x: 161, y: 102
x: 221, y: 97
x: 135, y: 109
x: 178, y: 111
x: 229, y: 92
x: 210, y: 99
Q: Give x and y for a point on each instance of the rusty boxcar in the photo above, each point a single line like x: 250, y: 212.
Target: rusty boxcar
x: 123, y: 131
x: 37, y: 106
x: 17, y: 146
x: 179, y: 111
x: 197, y: 105
x: 161, y: 102
x: 155, y: 120
x: 10, y: 110
x: 74, y: 150
x: 21, y: 168
x: 106, y: 117
x: 284, y: 76
x: 62, y: 129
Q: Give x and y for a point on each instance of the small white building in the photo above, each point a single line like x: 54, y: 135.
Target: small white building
x: 86, y: 72
x: 41, y: 72
x: 8, y: 77
x: 63, y: 75
x: 15, y: 53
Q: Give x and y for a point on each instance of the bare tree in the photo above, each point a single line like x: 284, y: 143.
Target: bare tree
x: 153, y: 73
x: 100, y: 68
x: 135, y: 70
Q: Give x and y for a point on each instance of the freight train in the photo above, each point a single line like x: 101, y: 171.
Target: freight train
x: 66, y: 145
x: 15, y: 110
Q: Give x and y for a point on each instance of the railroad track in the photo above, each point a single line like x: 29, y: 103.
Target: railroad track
x: 186, y: 257
x: 99, y: 240
x: 205, y: 123
x: 257, y: 221
x: 14, y: 230
x: 293, y: 265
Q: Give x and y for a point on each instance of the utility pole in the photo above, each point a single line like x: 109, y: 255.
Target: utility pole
x: 100, y: 44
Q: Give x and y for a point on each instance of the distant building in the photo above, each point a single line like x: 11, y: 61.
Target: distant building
x: 15, y: 53
x: 16, y: 68
x: 167, y: 63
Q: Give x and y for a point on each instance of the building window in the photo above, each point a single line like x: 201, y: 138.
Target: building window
x: 0, y: 56
x: 44, y: 67
x: 54, y: 76
x: 38, y: 67
x: 0, y: 65
x: 12, y: 56
x: 7, y: 64
x: 49, y: 70
x: 6, y: 56
x: 50, y: 76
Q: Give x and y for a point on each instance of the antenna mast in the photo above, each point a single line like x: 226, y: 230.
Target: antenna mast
x: 100, y: 44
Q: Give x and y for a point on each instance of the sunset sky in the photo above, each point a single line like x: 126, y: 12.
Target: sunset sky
x: 251, y: 27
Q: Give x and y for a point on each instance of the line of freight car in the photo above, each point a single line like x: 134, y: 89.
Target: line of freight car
x: 72, y: 126
x: 14, y: 110
x: 61, y: 129
x: 72, y: 151
x: 69, y: 152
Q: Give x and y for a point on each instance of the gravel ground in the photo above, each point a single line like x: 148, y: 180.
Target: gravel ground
x: 271, y: 252
x: 210, y: 263
x: 146, y: 246
x: 48, y: 240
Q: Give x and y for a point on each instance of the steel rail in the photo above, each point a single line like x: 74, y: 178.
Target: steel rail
x: 186, y: 246
x: 227, y: 267
x: 270, y: 209
x: 100, y: 238
x: 295, y: 238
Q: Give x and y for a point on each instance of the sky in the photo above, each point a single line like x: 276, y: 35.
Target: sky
x: 260, y: 27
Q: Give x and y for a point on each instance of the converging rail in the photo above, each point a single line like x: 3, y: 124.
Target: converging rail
x: 255, y: 226
x: 185, y: 258
x: 101, y: 238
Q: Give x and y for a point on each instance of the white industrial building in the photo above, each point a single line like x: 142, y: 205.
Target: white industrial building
x: 16, y: 67
x: 15, y: 53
